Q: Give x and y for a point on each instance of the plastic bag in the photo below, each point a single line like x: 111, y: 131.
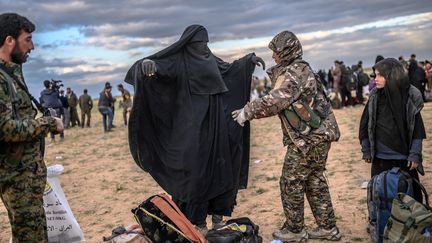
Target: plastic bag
x: 61, y: 223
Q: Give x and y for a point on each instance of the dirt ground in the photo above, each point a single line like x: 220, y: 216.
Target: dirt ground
x: 102, y: 182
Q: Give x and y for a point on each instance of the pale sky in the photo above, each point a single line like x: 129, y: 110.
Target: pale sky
x: 87, y: 43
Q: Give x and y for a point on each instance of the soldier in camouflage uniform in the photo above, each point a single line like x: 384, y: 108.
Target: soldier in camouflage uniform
x: 309, y: 126
x: 126, y: 103
x: 22, y: 169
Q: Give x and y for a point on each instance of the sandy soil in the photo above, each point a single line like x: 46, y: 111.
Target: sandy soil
x: 102, y: 183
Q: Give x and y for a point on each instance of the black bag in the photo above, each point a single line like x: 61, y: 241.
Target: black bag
x: 226, y: 234
x: 162, y: 221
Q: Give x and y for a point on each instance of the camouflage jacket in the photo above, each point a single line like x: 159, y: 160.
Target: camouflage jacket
x: 20, y: 132
x: 291, y: 83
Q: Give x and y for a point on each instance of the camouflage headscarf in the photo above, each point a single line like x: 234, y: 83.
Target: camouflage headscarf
x: 287, y: 47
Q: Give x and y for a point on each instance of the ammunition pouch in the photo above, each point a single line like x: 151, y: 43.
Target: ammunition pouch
x: 301, y: 117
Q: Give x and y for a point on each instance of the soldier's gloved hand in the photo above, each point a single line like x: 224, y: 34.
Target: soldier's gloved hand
x: 148, y: 67
x: 239, y: 116
x: 258, y: 61
x: 59, y: 125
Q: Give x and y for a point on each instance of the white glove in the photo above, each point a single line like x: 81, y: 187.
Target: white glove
x: 239, y: 116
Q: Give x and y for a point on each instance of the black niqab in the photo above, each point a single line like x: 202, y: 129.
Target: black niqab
x: 180, y: 128
x: 203, y: 73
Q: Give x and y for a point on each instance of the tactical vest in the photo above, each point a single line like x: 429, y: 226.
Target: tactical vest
x: 307, y: 113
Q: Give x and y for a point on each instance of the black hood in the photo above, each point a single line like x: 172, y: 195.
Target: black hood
x: 199, y: 63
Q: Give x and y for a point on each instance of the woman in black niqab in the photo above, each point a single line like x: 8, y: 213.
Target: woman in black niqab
x: 180, y: 128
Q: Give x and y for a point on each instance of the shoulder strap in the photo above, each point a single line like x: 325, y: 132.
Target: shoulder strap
x: 426, y: 195
x: 170, y: 209
x: 23, y: 87
x: 11, y: 90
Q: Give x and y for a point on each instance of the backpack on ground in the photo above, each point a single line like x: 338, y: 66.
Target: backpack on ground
x: 131, y: 234
x: 381, y: 191
x: 410, y: 221
x: 162, y: 221
x: 240, y: 230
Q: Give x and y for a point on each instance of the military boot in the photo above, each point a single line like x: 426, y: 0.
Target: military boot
x: 332, y: 234
x: 287, y: 236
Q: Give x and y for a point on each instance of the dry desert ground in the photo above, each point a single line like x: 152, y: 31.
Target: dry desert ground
x: 102, y: 182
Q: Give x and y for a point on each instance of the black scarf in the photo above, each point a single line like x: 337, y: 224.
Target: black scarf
x: 200, y: 64
x: 387, y: 131
x: 394, y: 98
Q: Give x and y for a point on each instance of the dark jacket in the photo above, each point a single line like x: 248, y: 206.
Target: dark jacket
x: 64, y: 101
x: 50, y: 99
x: 413, y: 107
x: 104, y: 100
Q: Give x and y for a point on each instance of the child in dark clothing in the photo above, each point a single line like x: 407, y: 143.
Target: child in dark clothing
x: 391, y: 127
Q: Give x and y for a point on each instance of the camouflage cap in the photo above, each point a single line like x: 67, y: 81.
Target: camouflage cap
x: 287, y: 46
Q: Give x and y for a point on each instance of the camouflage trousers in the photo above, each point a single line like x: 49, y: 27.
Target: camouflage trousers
x: 21, y: 190
x: 304, y: 174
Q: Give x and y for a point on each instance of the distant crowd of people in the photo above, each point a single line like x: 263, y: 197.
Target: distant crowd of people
x: 343, y: 81
x: 107, y: 108
x: 65, y: 106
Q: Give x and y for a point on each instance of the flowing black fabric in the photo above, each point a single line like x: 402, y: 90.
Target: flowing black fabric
x: 180, y: 128
x: 237, y: 77
x: 202, y: 68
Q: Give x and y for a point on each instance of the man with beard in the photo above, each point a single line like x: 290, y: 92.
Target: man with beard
x: 22, y: 169
x: 180, y: 129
